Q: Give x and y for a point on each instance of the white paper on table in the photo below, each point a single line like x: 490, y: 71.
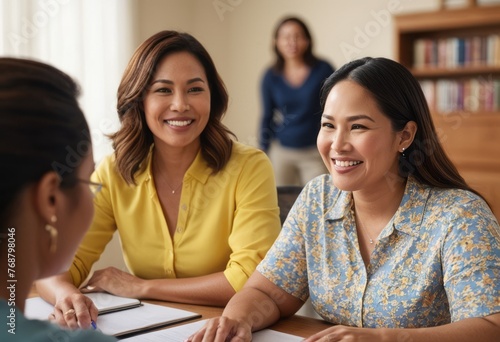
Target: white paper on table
x: 37, y: 308
x: 182, y: 332
x: 146, y: 316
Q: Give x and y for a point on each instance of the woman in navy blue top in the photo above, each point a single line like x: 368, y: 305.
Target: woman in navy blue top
x: 290, y: 98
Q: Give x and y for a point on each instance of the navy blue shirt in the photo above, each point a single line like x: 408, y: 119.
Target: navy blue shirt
x: 292, y: 114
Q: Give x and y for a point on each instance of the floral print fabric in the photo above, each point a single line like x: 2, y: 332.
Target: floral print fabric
x: 439, y: 261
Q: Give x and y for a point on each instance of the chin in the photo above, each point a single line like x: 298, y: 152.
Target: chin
x: 344, y: 186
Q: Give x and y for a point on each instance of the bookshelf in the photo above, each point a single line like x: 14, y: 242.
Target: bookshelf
x: 455, y: 55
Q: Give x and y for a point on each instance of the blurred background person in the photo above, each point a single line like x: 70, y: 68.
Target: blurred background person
x: 291, y: 113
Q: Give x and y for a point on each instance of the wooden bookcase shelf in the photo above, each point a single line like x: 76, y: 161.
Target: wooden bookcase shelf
x: 470, y: 137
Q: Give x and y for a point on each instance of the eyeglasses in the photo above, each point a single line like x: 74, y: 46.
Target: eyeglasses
x: 95, y: 188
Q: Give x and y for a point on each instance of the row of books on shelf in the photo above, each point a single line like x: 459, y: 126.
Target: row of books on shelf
x: 469, y: 95
x: 456, y: 52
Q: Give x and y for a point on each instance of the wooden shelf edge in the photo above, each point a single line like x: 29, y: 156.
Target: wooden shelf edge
x: 477, y: 118
x: 447, y: 19
x: 455, y: 72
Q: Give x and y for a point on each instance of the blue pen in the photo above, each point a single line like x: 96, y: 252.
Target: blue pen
x: 94, y: 325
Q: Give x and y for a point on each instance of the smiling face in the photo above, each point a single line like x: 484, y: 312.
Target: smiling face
x: 177, y: 102
x: 356, y: 140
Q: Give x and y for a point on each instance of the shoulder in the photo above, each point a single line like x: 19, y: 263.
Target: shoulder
x: 320, y: 193
x: 461, y: 212
x: 324, y: 66
x: 248, y: 159
x: 107, y: 164
x: 107, y: 170
x: 242, y: 151
x: 445, y: 202
x: 456, y: 201
x: 270, y: 74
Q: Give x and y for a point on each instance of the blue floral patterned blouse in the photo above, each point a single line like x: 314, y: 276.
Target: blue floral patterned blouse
x: 439, y: 262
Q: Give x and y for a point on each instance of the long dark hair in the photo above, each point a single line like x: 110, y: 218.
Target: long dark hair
x: 309, y: 58
x: 133, y: 140
x: 42, y: 127
x: 399, y: 96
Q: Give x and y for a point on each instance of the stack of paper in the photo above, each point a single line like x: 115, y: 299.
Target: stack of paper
x: 133, y: 316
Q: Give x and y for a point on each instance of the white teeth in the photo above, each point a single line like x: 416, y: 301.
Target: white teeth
x: 179, y: 123
x: 346, y: 163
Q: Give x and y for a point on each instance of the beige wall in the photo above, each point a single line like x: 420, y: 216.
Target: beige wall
x: 239, y: 40
x: 238, y: 37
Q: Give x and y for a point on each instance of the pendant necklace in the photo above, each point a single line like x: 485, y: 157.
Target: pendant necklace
x: 362, y: 228
x: 165, y: 181
x: 174, y: 190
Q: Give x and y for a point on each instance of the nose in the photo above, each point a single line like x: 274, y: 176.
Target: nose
x: 340, y: 143
x: 179, y: 103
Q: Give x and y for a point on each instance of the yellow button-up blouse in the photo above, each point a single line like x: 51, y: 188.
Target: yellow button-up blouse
x: 227, y: 221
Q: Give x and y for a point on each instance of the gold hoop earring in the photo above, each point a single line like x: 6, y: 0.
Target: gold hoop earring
x: 53, y: 234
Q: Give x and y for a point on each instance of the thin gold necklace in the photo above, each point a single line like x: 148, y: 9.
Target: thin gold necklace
x: 174, y: 190
x: 362, y: 227
x: 165, y: 181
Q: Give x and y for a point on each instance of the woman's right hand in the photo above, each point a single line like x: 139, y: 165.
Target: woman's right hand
x: 74, y: 310
x: 222, y: 329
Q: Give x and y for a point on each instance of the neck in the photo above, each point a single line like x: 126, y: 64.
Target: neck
x: 18, y: 268
x: 174, y: 162
x: 378, y: 207
x: 292, y: 63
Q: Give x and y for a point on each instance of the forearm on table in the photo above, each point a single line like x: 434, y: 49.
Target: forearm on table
x: 50, y: 288
x: 213, y: 289
x: 254, y: 307
x: 484, y: 329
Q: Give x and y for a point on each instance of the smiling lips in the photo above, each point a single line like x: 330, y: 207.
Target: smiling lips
x: 346, y: 163
x: 178, y: 123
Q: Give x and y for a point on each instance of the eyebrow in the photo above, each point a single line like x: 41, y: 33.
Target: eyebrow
x: 350, y: 118
x: 192, y: 80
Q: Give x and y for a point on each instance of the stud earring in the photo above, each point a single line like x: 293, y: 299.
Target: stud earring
x: 403, y: 152
x: 53, y: 234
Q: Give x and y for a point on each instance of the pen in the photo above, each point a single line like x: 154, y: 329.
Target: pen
x: 94, y: 326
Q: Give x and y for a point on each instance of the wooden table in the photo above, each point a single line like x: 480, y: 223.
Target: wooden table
x: 296, y: 325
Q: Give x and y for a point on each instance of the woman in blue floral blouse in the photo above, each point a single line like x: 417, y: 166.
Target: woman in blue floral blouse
x: 392, y: 245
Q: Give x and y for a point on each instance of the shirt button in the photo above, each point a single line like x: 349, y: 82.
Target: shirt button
x: 184, y: 206
x: 179, y: 230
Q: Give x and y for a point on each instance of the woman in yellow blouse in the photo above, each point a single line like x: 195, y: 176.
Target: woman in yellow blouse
x: 195, y: 210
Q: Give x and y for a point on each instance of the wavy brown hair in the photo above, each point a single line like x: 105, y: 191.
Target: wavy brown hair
x: 399, y: 96
x: 133, y: 140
